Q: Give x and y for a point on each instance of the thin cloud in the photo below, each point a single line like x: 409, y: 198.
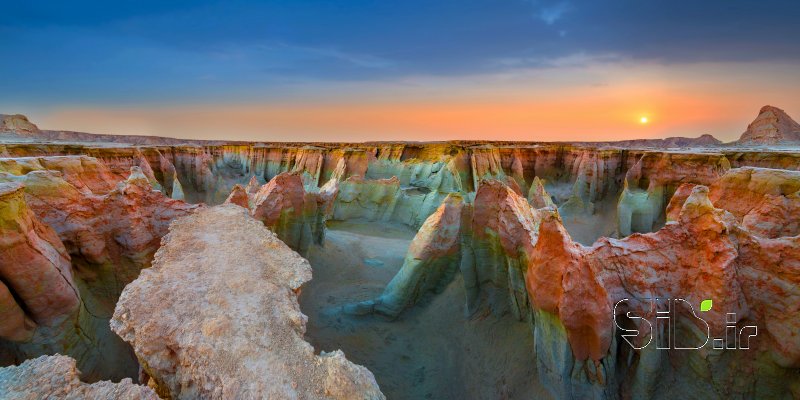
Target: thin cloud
x: 359, y: 60
x: 551, y: 14
x: 579, y: 59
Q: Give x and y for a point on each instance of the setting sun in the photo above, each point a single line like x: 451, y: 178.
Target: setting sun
x: 643, y: 120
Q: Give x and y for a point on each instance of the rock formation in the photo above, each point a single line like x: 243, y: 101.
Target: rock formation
x: 766, y: 201
x: 432, y: 259
x: 675, y: 205
x: 239, y: 197
x: 372, y: 200
x: 57, y: 377
x: 253, y: 185
x: 199, y: 328
x: 525, y: 262
x: 120, y: 229
x: 538, y: 196
x: 177, y: 189
x: 638, y: 210
x: 36, y: 285
x: 651, y: 182
x: 18, y: 124
x: 81, y: 237
x: 86, y: 174
x: 285, y: 208
x: 772, y: 126
x: 694, y: 241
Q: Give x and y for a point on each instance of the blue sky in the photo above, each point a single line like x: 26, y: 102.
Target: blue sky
x: 135, y: 54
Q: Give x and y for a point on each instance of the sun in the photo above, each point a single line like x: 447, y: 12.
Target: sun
x: 643, y: 120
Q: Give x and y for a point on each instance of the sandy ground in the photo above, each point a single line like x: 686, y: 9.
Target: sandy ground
x: 586, y: 229
x: 432, y: 351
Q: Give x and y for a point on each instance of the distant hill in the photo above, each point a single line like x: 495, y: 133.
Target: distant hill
x: 13, y: 126
x: 18, y: 124
x: 772, y: 126
x: 701, y: 141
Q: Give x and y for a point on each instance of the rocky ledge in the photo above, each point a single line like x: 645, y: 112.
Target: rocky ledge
x: 222, y: 320
x: 57, y: 377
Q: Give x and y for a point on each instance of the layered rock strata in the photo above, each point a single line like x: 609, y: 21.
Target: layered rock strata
x: 582, y: 180
x: 538, y: 196
x: 197, y: 323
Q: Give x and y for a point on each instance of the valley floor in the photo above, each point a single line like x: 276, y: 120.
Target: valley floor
x: 432, y: 351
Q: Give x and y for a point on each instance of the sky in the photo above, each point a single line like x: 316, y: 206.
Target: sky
x: 363, y: 70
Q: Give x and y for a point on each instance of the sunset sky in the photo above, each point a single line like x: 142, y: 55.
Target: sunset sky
x: 392, y: 70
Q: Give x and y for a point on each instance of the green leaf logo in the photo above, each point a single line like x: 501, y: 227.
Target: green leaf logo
x: 705, y: 305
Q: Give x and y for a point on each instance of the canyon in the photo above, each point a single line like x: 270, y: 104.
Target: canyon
x: 189, y: 269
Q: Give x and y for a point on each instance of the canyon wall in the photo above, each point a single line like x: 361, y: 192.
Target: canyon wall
x: 74, y: 236
x: 598, y: 191
x: 582, y: 180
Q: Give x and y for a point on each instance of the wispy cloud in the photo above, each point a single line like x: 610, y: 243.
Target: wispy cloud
x: 578, y: 59
x: 282, y: 54
x: 309, y: 52
x: 552, y: 13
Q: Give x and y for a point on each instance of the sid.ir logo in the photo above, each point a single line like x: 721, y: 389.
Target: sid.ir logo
x: 662, y: 329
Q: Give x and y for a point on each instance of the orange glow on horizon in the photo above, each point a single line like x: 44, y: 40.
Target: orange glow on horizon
x: 565, y: 120
x: 593, y: 102
x: 561, y: 104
